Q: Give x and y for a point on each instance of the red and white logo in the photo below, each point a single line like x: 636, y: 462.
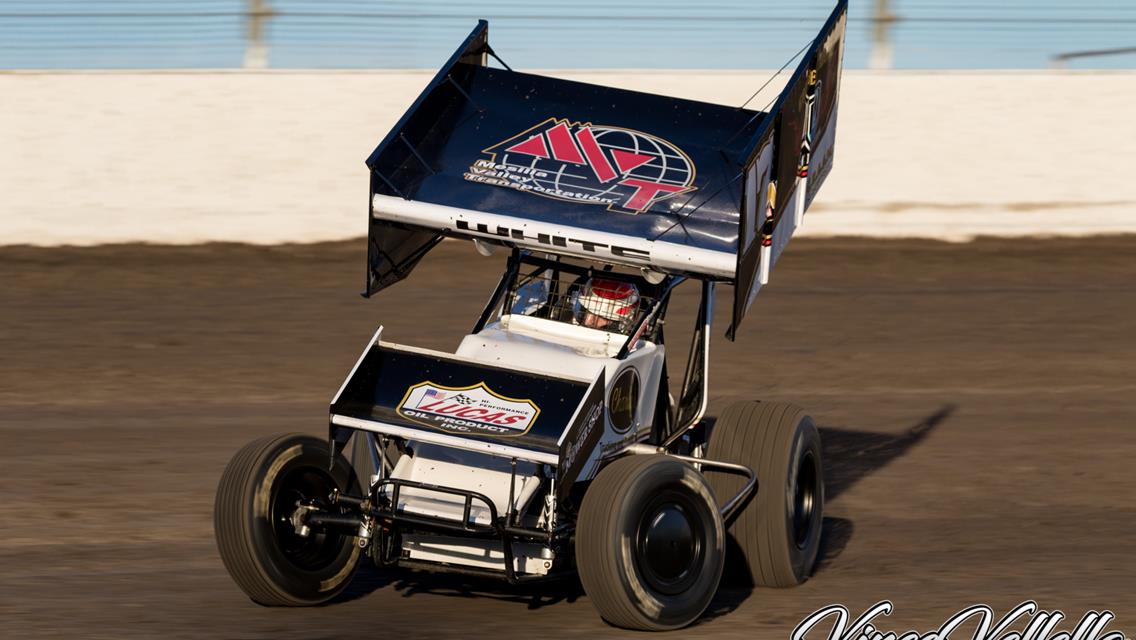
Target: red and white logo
x: 475, y: 409
x: 626, y: 170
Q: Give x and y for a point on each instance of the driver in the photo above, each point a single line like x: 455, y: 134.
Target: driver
x: 608, y: 305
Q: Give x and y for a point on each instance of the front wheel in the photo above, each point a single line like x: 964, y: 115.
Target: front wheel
x: 650, y: 543
x: 260, y: 491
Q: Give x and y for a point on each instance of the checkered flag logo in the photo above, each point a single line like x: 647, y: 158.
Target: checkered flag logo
x: 463, y: 399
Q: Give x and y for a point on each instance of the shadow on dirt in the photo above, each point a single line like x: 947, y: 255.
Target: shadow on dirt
x: 835, y: 533
x: 726, y: 601
x: 410, y: 583
x: 849, y: 456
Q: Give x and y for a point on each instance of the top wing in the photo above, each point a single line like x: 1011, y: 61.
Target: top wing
x: 618, y: 176
x: 566, y: 167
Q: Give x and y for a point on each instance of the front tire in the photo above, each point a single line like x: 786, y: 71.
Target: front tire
x: 259, y: 491
x: 776, y: 535
x: 650, y: 543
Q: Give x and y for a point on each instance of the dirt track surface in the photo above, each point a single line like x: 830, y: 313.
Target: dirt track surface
x: 977, y: 405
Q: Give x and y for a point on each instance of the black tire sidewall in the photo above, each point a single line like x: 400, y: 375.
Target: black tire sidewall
x: 806, y: 440
x: 295, y: 583
x: 670, y: 611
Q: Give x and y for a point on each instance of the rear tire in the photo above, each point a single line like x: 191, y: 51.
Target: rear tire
x: 259, y: 547
x: 650, y: 543
x: 777, y: 534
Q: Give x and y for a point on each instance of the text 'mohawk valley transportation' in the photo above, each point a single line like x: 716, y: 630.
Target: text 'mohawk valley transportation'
x: 552, y: 441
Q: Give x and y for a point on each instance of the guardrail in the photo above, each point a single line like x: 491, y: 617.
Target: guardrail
x: 601, y: 33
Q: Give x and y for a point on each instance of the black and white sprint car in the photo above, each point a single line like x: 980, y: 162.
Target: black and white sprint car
x: 550, y: 442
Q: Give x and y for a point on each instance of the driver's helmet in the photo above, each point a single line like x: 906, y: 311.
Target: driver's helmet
x: 609, y: 305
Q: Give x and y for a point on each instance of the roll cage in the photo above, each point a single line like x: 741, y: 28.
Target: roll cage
x: 690, y: 405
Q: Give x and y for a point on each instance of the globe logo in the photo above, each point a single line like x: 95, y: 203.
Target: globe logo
x: 626, y: 170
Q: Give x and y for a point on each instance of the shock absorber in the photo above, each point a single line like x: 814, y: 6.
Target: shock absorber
x: 341, y: 521
x: 364, y: 522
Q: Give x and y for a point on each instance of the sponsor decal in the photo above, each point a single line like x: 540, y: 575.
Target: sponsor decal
x: 472, y: 410
x: 588, y: 427
x: 823, y: 170
x: 574, y: 245
x: 581, y: 438
x: 822, y: 127
x: 609, y: 449
x: 625, y: 170
x: 977, y: 622
x: 623, y: 400
x: 812, y: 91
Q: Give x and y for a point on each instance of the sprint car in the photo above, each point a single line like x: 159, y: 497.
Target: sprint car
x: 551, y: 442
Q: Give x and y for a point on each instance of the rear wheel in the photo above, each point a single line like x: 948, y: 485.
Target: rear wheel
x: 260, y: 490
x: 649, y: 543
x: 776, y: 537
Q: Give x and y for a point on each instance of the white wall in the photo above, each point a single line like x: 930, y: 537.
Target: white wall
x: 180, y: 157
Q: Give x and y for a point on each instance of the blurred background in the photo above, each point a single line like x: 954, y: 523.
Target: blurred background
x: 181, y: 217
x: 627, y: 34
x: 160, y: 98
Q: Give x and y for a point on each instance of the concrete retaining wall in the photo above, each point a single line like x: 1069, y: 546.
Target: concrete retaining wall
x: 88, y: 158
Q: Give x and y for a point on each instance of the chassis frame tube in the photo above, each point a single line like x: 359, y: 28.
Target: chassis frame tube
x: 729, y: 509
x: 697, y: 369
x: 391, y: 518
